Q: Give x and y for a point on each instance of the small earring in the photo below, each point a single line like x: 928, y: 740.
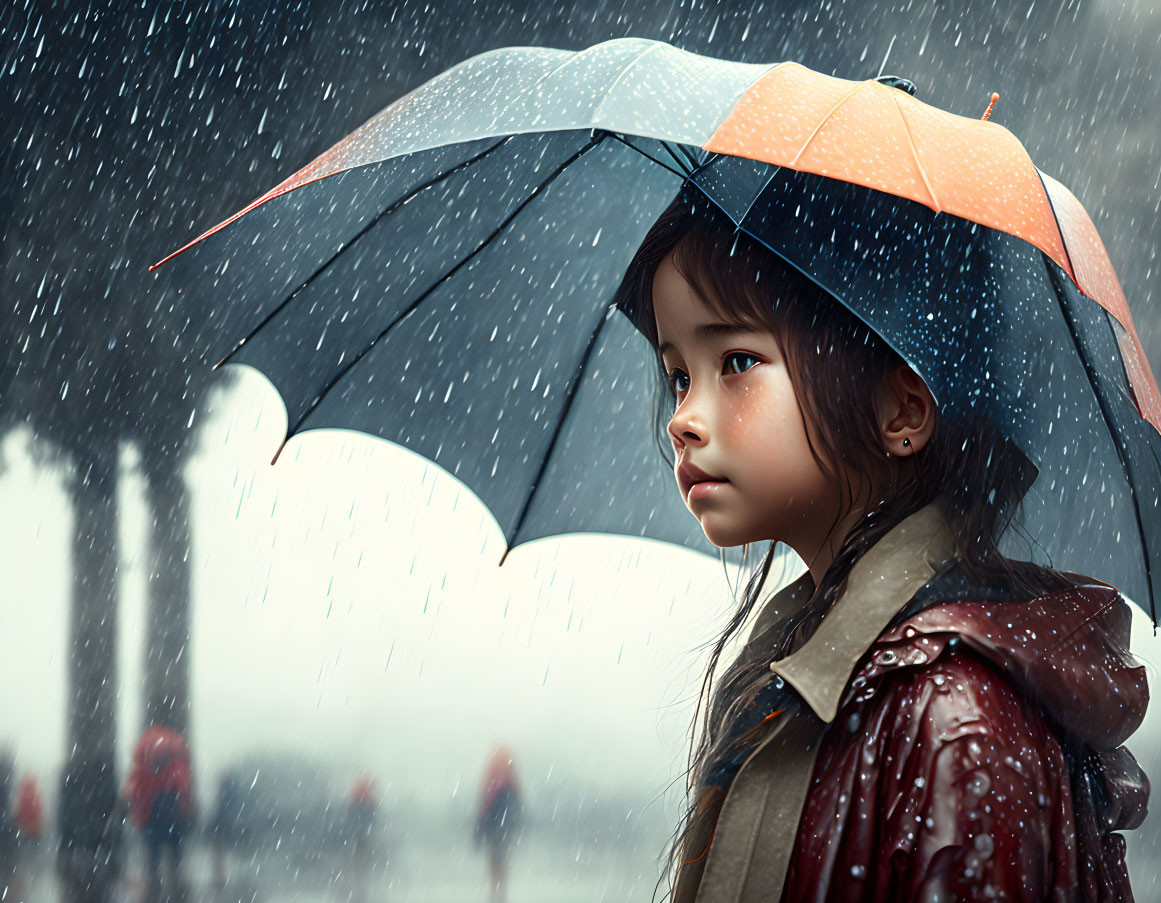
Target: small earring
x: 906, y: 443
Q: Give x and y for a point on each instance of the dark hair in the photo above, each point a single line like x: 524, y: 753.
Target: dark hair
x: 975, y: 476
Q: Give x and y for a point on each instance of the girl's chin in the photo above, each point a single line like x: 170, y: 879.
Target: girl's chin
x: 725, y: 536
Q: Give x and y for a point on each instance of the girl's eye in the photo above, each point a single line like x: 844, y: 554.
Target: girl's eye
x: 738, y: 362
x: 678, y: 381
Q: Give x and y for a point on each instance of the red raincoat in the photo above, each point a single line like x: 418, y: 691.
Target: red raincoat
x: 29, y: 808
x: 500, y: 779
x: 949, y: 780
x: 969, y: 752
x: 161, y: 764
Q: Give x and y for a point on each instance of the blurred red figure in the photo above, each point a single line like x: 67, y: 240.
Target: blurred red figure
x: 499, y: 818
x: 29, y: 809
x: 28, y: 820
x: 362, y: 807
x: 161, y: 804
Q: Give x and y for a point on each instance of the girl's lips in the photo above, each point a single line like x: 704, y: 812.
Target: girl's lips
x: 705, y: 489
x: 688, y: 475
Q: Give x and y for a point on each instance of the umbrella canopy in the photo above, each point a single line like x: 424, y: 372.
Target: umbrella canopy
x: 443, y: 277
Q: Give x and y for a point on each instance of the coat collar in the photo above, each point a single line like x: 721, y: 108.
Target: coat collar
x: 880, y: 584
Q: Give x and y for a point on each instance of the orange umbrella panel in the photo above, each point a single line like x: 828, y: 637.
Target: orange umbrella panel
x: 995, y: 328
x: 869, y: 134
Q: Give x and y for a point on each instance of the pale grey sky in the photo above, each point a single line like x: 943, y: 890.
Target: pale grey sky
x: 348, y: 605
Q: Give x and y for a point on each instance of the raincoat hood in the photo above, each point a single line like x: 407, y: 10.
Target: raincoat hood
x: 1066, y: 651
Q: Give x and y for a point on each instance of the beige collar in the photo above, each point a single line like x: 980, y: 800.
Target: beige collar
x: 880, y: 584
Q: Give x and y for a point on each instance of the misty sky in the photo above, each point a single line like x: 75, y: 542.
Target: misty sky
x: 348, y: 606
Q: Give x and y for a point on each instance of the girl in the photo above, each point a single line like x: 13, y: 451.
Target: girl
x: 917, y: 717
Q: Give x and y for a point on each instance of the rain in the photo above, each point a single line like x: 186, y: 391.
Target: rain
x: 359, y: 579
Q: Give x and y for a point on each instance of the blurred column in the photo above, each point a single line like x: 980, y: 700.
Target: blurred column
x: 92, y: 664
x: 168, y: 607
x: 89, y: 816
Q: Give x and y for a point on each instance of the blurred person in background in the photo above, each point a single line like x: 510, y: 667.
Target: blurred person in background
x: 160, y: 795
x: 362, y: 812
x: 28, y: 814
x: 29, y: 810
x: 226, y: 827
x: 498, y: 819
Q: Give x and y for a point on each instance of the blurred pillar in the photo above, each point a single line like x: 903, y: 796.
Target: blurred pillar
x: 89, y: 819
x: 168, y: 607
x: 92, y: 718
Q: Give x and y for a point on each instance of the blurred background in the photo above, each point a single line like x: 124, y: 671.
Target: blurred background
x: 332, y: 635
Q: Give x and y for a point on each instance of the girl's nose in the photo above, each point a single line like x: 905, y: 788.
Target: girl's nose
x: 686, y: 428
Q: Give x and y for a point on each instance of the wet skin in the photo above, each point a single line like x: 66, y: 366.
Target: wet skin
x: 738, y: 421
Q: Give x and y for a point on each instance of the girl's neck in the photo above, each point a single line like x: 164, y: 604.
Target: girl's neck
x: 819, y: 563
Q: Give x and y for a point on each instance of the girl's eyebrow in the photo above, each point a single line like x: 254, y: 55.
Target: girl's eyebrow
x: 708, y: 331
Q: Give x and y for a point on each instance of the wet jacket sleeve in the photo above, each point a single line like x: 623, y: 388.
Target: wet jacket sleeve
x: 941, y: 783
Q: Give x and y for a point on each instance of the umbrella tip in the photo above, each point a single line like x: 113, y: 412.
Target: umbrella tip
x: 503, y: 558
x: 991, y: 106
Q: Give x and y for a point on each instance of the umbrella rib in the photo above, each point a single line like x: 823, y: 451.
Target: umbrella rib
x: 1103, y: 403
x: 536, y: 84
x: 681, y: 164
x: 915, y: 154
x: 690, y: 156
x: 391, y: 208
x: 423, y: 297
x: 680, y: 174
x: 818, y: 128
x: 1071, y: 267
x: 758, y: 194
x: 584, y: 361
x: 705, y: 164
x: 570, y: 61
x: 652, y: 48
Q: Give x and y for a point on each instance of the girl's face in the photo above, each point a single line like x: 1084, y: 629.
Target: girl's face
x: 741, y: 456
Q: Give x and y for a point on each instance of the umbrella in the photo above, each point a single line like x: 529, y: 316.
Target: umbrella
x: 444, y: 278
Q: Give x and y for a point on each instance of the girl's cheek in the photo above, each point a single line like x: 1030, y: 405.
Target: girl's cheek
x: 755, y: 413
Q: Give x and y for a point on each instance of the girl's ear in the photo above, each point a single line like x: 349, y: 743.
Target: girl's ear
x: 906, y: 412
